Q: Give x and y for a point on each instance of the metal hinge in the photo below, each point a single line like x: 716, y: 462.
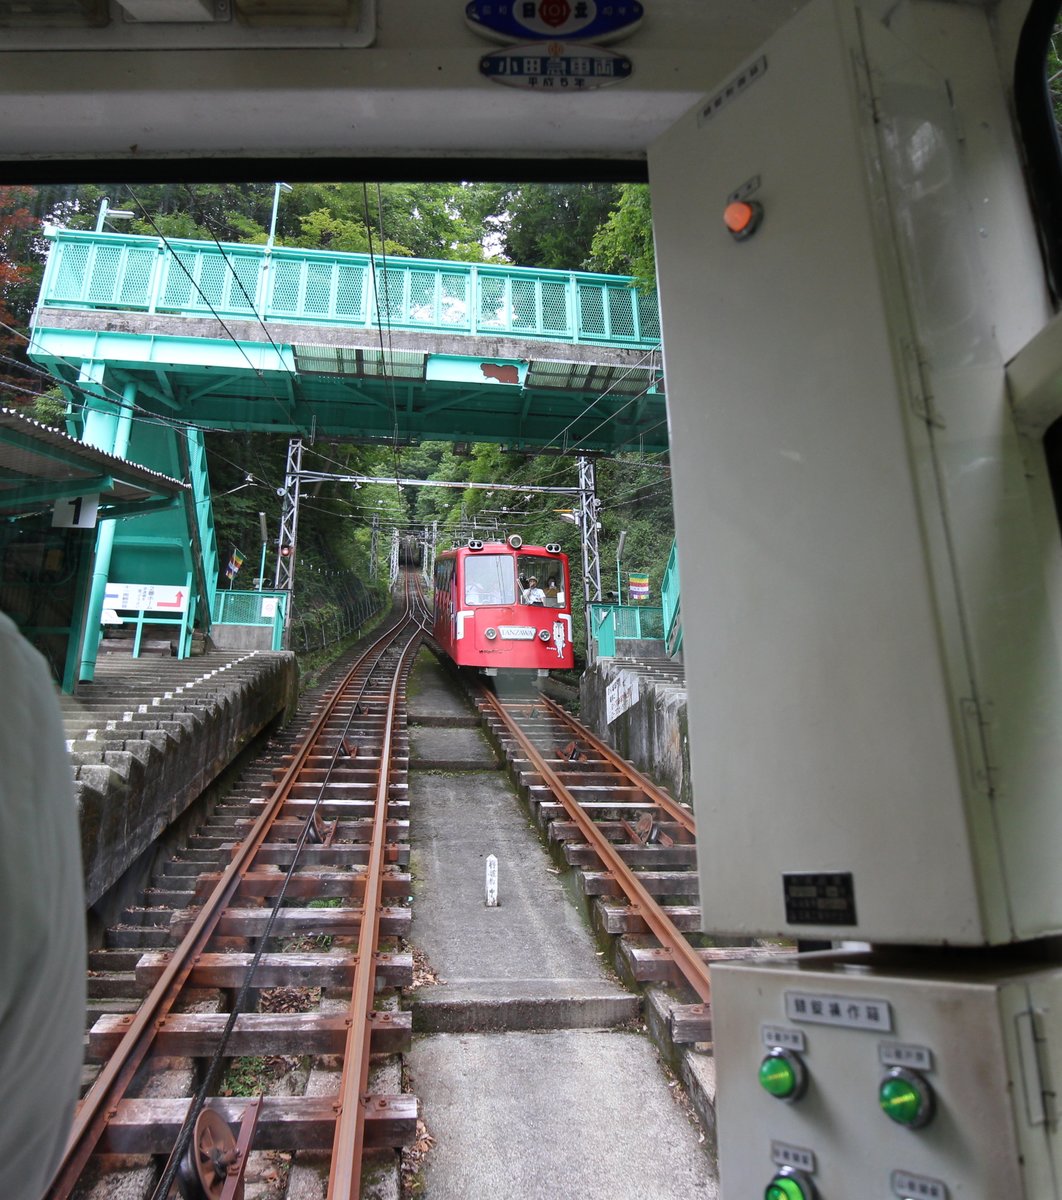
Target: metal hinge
x: 1032, y: 1056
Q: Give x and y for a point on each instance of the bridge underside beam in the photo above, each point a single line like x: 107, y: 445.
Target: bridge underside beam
x: 342, y: 383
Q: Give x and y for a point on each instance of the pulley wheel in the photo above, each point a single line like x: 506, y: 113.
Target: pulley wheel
x: 205, y: 1166
x: 315, y: 833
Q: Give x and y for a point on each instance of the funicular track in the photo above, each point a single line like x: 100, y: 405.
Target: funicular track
x: 332, y: 829
x: 633, y: 844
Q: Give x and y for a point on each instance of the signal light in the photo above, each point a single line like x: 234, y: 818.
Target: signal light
x: 783, y: 1075
x: 789, y: 1184
x: 906, y: 1098
x: 742, y: 218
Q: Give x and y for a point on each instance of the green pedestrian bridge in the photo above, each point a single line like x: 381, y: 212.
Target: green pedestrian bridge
x: 155, y: 340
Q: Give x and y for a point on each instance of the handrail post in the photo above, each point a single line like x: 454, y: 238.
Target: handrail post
x: 158, y: 269
x: 263, y: 279
x: 473, y: 299
x: 51, y: 268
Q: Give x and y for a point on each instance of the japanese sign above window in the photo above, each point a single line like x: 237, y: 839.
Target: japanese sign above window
x: 556, y: 67
x: 531, y: 20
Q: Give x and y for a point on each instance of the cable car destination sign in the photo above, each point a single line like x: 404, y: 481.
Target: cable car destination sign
x: 557, y: 58
x: 563, y: 20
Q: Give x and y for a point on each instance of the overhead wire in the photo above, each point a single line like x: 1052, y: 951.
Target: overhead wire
x: 597, y: 400
x: 379, y: 322
x: 259, y: 373
x: 236, y: 275
x: 136, y: 412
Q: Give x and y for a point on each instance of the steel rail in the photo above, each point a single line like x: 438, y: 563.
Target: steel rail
x: 344, y: 1179
x: 678, y: 812
x: 101, y: 1100
x: 362, y: 671
x: 686, y: 958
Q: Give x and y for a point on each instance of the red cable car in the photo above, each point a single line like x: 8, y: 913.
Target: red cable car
x: 504, y: 606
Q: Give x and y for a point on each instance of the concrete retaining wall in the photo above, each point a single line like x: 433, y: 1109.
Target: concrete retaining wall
x: 134, y: 779
x: 242, y: 637
x: 652, y: 733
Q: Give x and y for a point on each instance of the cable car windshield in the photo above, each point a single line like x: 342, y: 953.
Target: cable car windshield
x: 490, y: 579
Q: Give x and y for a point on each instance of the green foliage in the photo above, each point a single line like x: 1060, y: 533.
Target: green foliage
x: 49, y: 408
x: 248, y: 1076
x: 623, y: 244
x: 1054, y: 75
x: 323, y: 230
x: 545, y: 225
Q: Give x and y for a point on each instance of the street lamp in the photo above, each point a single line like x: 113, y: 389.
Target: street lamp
x: 277, y: 189
x: 106, y: 211
x: 265, y: 538
x: 619, y: 555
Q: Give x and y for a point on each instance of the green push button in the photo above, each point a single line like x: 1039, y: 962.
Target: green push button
x: 906, y: 1098
x: 787, y: 1187
x: 782, y: 1074
x: 778, y: 1077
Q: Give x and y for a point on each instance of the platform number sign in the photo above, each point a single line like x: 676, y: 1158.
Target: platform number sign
x: 76, y: 512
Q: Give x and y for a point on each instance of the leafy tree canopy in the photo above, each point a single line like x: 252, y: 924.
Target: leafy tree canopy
x: 623, y: 243
x: 545, y: 225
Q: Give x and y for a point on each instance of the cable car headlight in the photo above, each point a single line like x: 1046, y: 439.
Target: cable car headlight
x: 490, y: 634
x: 475, y: 544
x: 543, y: 635
x: 552, y: 548
x: 516, y: 541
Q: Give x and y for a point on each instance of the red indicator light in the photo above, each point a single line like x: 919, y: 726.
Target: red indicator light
x: 742, y: 218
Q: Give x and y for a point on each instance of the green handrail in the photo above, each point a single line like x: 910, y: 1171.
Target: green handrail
x: 233, y: 280
x: 610, y: 623
x: 252, y: 608
x: 671, y: 602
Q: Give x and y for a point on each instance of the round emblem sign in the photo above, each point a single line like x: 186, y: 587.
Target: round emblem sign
x: 583, y: 20
x: 554, y: 12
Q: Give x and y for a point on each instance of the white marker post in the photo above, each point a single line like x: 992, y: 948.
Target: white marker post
x: 492, y: 881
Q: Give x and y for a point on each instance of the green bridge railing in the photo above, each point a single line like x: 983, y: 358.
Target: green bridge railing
x: 198, y: 278
x: 610, y: 623
x: 252, y: 608
x: 671, y: 602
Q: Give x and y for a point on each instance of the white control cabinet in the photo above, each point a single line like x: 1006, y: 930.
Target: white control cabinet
x: 871, y: 588
x: 966, y: 1060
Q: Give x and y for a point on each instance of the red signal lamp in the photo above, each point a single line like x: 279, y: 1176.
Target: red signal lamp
x: 742, y: 218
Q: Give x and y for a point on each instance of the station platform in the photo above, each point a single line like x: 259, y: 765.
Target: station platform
x: 150, y: 734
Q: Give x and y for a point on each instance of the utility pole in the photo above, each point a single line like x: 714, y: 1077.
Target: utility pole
x: 589, y: 526
x: 289, y: 525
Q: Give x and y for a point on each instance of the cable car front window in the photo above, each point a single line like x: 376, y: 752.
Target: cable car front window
x: 548, y: 574
x: 490, y: 579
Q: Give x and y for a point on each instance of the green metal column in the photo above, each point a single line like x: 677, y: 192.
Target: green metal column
x: 108, y: 430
